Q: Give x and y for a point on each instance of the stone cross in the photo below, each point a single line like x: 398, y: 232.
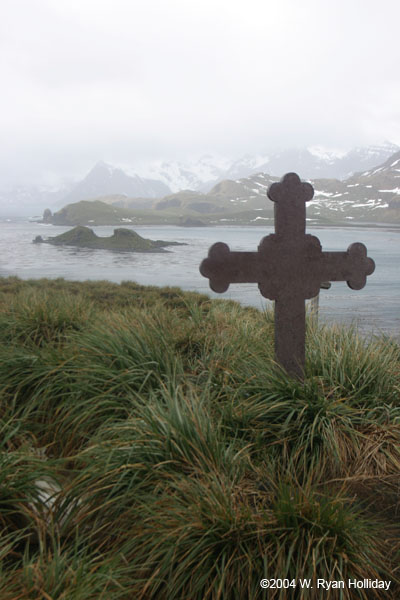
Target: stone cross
x: 289, y: 268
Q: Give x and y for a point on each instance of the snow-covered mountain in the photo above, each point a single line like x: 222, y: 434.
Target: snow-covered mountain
x: 106, y: 179
x: 364, y: 158
x: 200, y: 174
x: 102, y: 180
x: 159, y: 179
x: 310, y: 163
x: 315, y: 162
x: 370, y: 196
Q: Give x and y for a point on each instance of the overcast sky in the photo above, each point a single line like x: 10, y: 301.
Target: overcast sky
x: 129, y: 81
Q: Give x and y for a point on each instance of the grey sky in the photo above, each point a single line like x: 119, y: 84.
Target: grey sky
x: 130, y: 81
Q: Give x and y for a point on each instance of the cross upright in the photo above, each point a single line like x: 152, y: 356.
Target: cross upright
x: 289, y: 268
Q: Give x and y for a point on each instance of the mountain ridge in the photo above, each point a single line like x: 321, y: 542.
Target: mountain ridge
x: 164, y: 178
x: 369, y: 196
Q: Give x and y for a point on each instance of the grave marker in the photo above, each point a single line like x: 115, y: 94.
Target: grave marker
x: 289, y: 268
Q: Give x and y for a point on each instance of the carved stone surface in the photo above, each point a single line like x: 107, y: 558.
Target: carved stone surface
x: 289, y: 268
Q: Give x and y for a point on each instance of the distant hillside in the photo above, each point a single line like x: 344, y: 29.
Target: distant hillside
x: 146, y: 182
x: 200, y: 176
x: 102, y: 212
x: 92, y: 212
x: 371, y: 196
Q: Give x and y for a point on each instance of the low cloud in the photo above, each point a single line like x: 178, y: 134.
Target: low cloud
x: 131, y: 81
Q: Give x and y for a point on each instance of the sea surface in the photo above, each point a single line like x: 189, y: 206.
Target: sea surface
x: 374, y: 309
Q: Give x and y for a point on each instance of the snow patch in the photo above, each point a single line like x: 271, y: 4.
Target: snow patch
x: 320, y: 193
x: 393, y: 191
x: 377, y: 170
x: 325, y: 153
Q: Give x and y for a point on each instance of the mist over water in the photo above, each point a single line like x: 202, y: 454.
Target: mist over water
x: 375, y: 308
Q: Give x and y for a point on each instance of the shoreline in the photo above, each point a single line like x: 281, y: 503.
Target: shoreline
x: 394, y: 227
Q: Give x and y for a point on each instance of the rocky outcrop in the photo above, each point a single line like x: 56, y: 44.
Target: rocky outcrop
x: 122, y: 240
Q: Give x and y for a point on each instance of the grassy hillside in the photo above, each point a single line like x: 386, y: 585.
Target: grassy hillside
x: 92, y: 212
x: 97, y: 212
x: 150, y: 448
x: 177, y: 209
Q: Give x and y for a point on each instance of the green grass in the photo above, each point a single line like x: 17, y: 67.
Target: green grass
x: 150, y: 447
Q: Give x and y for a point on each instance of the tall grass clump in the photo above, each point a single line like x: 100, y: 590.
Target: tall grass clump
x: 209, y: 537
x: 150, y: 447
x: 128, y: 353
x: 37, y: 316
x: 365, y: 371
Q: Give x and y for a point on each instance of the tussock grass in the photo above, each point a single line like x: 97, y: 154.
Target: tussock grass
x: 151, y: 448
x: 37, y: 316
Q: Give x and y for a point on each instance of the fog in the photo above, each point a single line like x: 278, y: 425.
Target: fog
x: 129, y: 81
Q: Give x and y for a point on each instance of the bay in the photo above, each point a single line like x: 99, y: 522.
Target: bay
x: 374, y: 309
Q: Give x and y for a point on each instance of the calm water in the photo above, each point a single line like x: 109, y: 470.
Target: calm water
x: 375, y: 308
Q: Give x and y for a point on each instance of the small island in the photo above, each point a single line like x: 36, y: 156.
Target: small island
x: 122, y: 240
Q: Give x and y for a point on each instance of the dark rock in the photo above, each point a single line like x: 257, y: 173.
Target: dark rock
x: 122, y: 240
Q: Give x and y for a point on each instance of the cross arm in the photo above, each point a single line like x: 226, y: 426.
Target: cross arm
x: 223, y: 267
x: 351, y: 266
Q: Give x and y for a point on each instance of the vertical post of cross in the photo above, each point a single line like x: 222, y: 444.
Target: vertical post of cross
x: 290, y: 197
